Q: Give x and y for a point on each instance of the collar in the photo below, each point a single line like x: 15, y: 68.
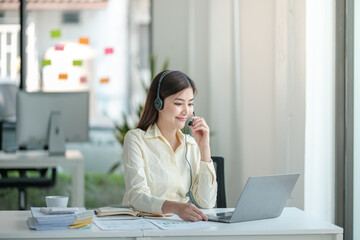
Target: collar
x: 154, y: 132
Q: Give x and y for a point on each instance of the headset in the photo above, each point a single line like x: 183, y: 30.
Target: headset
x: 159, y: 104
x: 191, y: 122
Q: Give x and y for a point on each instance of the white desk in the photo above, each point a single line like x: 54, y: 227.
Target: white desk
x: 292, y: 224
x: 41, y: 159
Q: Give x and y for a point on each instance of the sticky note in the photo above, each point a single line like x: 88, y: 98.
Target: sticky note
x: 109, y: 50
x: 56, y: 33
x: 104, y: 80
x: 77, y: 63
x: 83, y: 80
x: 63, y: 76
x: 84, y: 40
x: 59, y: 47
x: 45, y: 62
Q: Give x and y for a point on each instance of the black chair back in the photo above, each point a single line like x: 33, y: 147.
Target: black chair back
x: 220, y: 178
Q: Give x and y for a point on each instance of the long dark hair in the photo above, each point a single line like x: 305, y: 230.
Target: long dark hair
x: 172, y: 83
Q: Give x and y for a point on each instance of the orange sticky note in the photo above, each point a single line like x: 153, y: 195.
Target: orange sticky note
x: 104, y: 80
x: 63, y: 76
x: 84, y: 40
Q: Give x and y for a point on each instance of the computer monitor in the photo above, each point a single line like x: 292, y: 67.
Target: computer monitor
x: 49, y: 119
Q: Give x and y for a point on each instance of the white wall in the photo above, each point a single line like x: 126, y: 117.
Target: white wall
x: 247, y: 59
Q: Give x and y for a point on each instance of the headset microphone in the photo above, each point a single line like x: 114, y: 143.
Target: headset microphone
x: 191, y: 121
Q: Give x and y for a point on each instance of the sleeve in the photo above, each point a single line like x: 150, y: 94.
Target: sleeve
x: 137, y: 189
x: 205, y: 185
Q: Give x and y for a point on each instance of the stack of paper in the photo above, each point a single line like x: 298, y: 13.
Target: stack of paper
x: 59, y: 219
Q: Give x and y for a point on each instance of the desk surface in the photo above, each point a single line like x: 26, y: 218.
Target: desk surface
x: 33, y: 158
x: 292, y: 224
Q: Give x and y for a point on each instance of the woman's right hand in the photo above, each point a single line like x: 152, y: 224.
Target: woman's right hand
x: 186, y: 211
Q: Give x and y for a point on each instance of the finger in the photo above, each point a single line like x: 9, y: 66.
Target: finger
x: 200, y: 214
x: 201, y: 124
x: 201, y: 128
x: 198, y: 120
x: 194, y: 212
x: 196, y: 217
x: 192, y: 219
x: 203, y: 216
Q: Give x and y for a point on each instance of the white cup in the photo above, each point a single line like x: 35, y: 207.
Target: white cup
x: 56, y: 201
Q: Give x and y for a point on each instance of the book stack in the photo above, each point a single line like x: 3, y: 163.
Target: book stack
x: 59, y: 218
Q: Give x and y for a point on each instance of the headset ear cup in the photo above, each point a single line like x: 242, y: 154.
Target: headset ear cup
x: 158, y: 103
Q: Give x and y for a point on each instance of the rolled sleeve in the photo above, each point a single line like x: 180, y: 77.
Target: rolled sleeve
x: 205, y: 187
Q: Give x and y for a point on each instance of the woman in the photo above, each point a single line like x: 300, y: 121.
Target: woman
x: 163, y: 167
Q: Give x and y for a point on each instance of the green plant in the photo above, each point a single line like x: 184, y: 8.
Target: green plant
x: 125, y: 126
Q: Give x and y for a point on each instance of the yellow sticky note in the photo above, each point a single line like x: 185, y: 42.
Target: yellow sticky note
x: 104, y: 80
x: 63, y: 76
x: 84, y: 40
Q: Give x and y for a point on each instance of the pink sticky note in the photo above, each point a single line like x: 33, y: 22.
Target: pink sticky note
x: 59, y: 47
x: 109, y: 50
x: 83, y: 80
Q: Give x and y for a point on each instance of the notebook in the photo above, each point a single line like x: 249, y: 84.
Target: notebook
x: 263, y: 197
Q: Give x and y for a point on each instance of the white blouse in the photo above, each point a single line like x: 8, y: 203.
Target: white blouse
x: 155, y: 173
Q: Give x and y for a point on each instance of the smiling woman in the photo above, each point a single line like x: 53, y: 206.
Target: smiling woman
x: 156, y: 154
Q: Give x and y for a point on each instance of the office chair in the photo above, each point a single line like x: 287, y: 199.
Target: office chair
x: 18, y: 178
x: 220, y: 178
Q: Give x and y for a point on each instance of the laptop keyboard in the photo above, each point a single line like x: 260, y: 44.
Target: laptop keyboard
x: 225, y: 217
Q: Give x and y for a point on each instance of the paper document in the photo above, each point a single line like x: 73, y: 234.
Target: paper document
x: 179, y: 224
x: 136, y: 224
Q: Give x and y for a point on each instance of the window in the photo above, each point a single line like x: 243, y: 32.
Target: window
x: 100, y: 46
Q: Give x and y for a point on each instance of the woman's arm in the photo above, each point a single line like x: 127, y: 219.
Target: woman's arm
x: 205, y: 185
x: 137, y: 189
x: 185, y: 211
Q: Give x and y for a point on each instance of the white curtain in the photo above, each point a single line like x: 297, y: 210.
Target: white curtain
x: 320, y: 109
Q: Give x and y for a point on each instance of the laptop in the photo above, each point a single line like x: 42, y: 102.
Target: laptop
x: 263, y: 197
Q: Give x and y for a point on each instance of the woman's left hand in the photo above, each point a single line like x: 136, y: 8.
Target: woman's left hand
x: 201, y: 133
